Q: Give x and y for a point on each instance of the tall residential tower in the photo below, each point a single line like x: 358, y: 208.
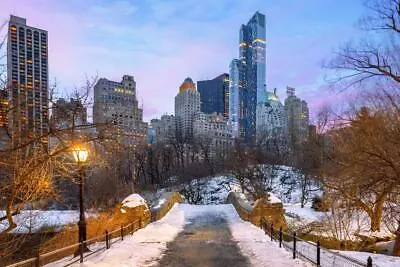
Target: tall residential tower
x: 187, y: 105
x: 250, y: 70
x: 27, y: 69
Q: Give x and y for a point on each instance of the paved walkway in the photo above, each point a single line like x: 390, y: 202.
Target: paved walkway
x: 205, y: 241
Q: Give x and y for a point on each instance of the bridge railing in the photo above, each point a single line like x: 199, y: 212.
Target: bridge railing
x: 310, y: 251
x: 82, y: 250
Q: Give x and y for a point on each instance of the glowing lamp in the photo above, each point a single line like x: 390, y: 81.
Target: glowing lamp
x: 80, y: 154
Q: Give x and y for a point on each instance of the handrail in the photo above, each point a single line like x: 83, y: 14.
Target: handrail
x: 270, y: 230
x: 75, y: 245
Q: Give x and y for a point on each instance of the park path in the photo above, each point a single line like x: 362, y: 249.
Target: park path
x: 206, y: 240
x: 194, y: 236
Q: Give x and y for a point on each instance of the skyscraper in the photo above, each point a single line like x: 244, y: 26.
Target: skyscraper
x: 252, y: 51
x: 252, y: 57
x: 214, y: 95
x: 298, y: 117
x: 116, y: 102
x: 236, y: 97
x: 187, y: 105
x: 27, y: 69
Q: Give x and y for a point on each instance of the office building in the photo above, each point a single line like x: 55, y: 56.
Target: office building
x: 164, y: 129
x: 272, y: 123
x: 298, y: 118
x: 213, y: 133
x: 214, y: 95
x: 115, y: 103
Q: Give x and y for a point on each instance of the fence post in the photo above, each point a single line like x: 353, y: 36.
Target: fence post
x: 122, y: 232
x: 107, y: 241
x: 81, y: 251
x: 265, y: 227
x: 37, y: 261
x: 294, y: 245
x: 280, y: 237
x: 369, y: 262
x: 318, y: 253
x: 272, y: 231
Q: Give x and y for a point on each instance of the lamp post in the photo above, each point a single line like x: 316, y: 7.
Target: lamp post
x: 80, y: 155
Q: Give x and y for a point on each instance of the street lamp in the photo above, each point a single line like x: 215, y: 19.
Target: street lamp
x: 81, y: 154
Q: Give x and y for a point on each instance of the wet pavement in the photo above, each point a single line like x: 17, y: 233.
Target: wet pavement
x: 205, y: 241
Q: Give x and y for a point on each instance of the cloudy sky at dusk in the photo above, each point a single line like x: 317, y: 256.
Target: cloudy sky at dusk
x: 162, y: 42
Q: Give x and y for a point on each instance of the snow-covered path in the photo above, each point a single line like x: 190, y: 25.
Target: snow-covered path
x: 217, y: 233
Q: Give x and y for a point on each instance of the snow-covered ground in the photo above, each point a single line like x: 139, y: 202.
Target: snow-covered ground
x: 36, y: 220
x: 377, y: 259
x: 147, y: 245
x: 143, y: 248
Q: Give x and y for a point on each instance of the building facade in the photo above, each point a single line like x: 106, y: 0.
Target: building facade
x: 298, y: 117
x: 164, y: 129
x: 27, y: 72
x: 68, y: 114
x: 248, y: 78
x: 214, y: 95
x: 4, y: 108
x: 116, y: 103
x: 213, y: 133
x: 236, y: 94
x: 187, y: 105
x: 272, y: 123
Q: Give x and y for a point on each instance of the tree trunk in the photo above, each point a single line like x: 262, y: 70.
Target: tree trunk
x: 396, y: 248
x: 376, y: 215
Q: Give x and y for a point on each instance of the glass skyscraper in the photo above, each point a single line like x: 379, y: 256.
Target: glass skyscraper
x: 214, y: 95
x: 247, y: 84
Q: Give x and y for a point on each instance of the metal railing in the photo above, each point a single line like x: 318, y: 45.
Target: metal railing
x: 79, y: 251
x: 310, y: 251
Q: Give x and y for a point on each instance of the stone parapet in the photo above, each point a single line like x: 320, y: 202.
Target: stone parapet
x: 273, y: 213
x: 165, y: 203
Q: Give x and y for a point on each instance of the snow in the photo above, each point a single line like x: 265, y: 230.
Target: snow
x: 377, y: 259
x: 307, y: 213
x: 35, y: 220
x: 159, y: 203
x: 273, y: 199
x: 133, y: 201
x: 254, y: 244
x: 144, y: 246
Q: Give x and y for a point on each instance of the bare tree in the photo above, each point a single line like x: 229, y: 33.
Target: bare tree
x: 372, y: 58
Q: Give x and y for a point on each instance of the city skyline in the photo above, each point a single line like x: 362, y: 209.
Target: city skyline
x: 201, y: 48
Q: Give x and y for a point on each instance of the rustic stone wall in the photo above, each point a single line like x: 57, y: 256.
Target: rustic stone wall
x: 170, y: 198
x: 141, y: 213
x: 271, y: 212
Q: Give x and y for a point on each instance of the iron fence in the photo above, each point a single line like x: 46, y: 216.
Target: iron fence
x: 94, y: 245
x: 310, y: 251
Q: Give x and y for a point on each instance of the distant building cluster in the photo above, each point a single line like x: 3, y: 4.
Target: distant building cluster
x: 237, y: 106
x: 230, y: 108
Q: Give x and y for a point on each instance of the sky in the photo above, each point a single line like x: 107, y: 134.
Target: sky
x: 162, y: 42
